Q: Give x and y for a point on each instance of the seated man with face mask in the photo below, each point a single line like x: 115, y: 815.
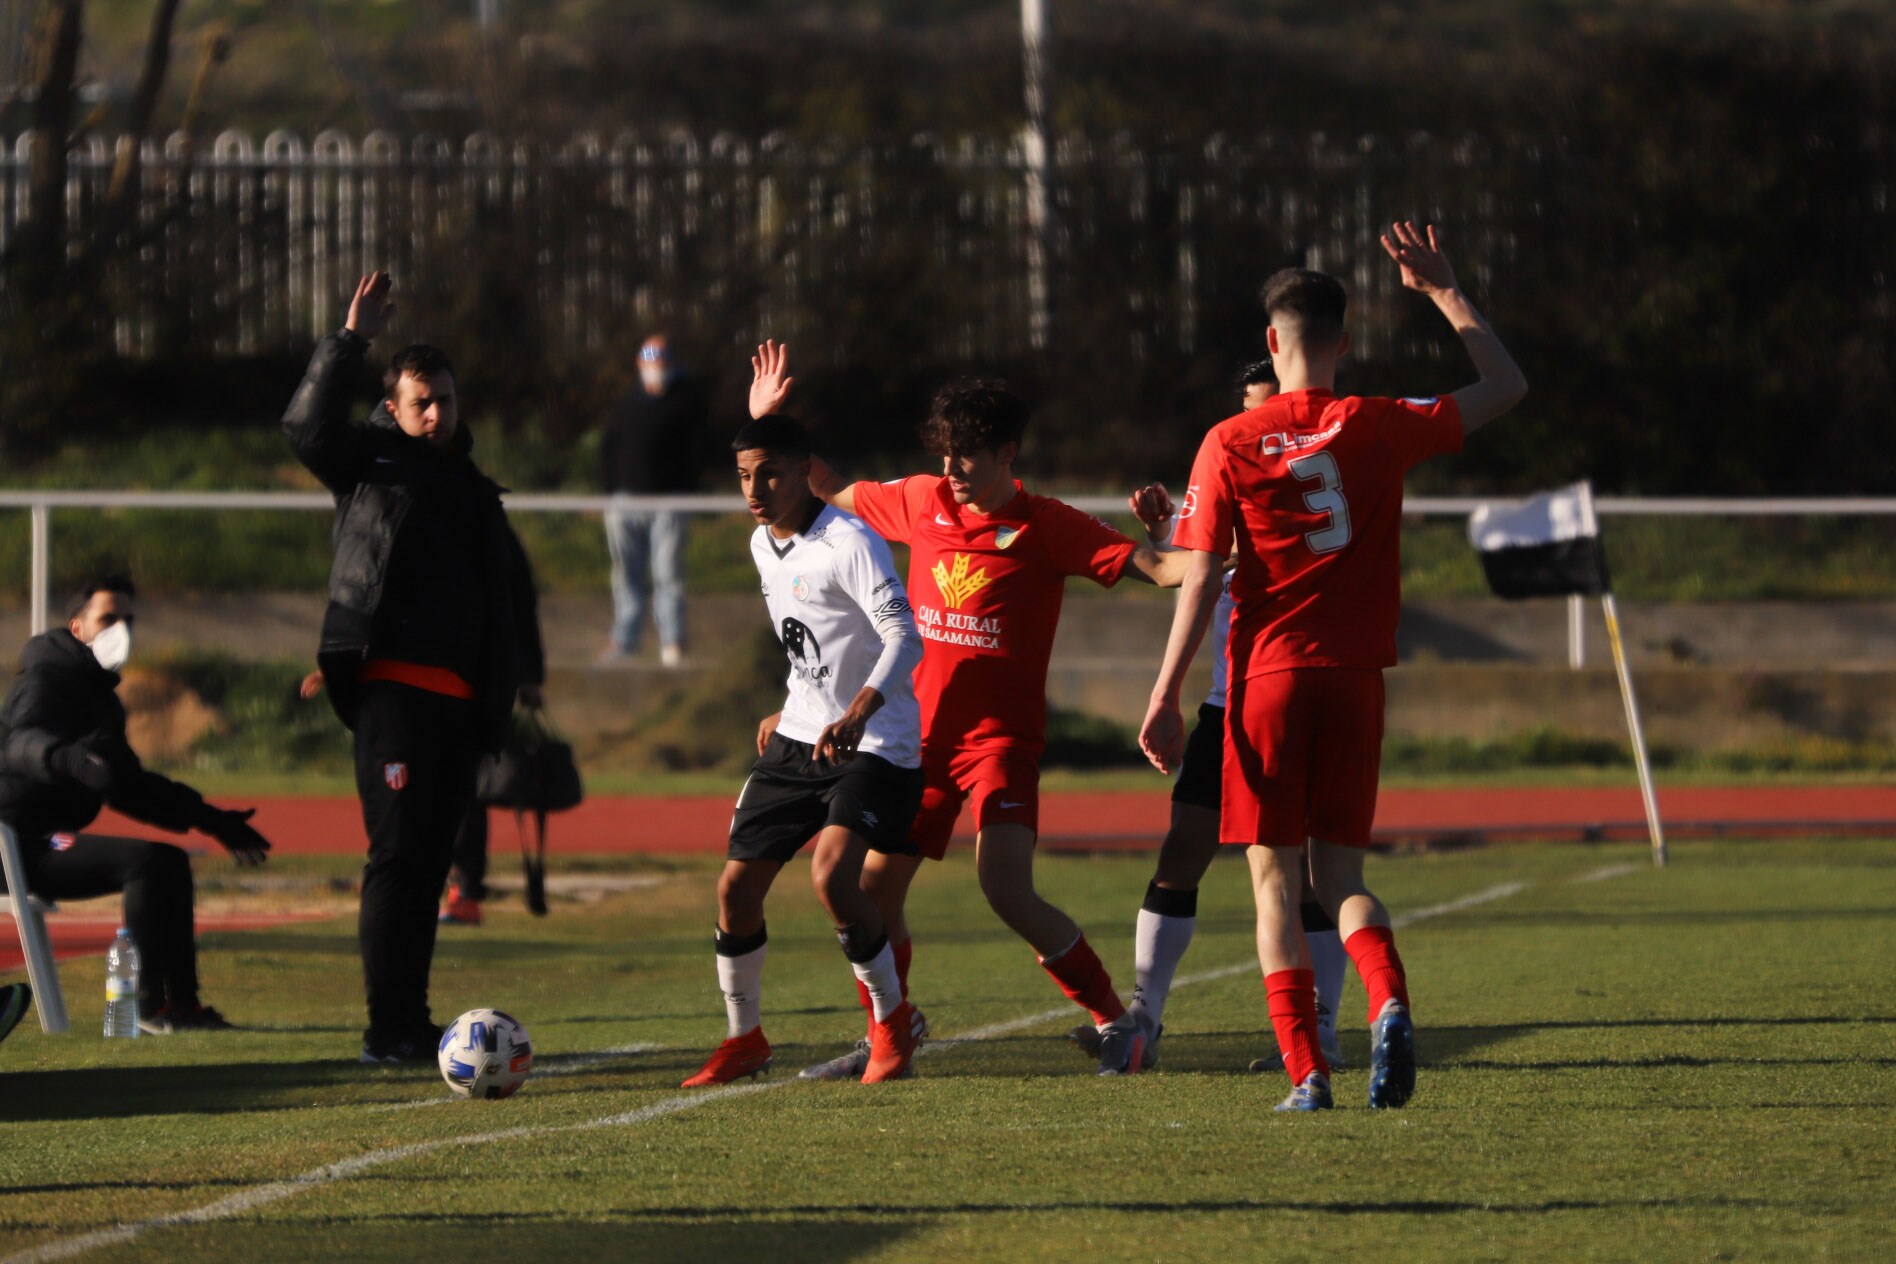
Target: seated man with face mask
x: 63, y: 757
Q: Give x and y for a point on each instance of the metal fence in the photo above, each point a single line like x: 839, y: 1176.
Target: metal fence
x: 40, y: 504
x: 254, y: 245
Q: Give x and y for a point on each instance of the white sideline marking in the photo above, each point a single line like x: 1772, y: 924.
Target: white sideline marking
x: 559, y: 1064
x: 1608, y: 871
x: 276, y: 1191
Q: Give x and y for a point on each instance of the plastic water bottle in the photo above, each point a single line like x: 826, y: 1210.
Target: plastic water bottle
x: 121, y: 986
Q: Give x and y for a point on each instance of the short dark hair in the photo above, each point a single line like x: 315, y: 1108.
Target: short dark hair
x: 82, y: 595
x: 1256, y: 373
x: 775, y: 433
x: 1313, y: 301
x: 974, y: 414
x: 419, y: 359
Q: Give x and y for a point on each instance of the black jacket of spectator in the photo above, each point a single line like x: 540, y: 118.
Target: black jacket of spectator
x: 427, y: 568
x: 62, y: 696
x: 655, y: 443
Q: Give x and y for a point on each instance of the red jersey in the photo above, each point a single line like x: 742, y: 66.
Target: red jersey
x: 987, y: 593
x: 1311, y: 487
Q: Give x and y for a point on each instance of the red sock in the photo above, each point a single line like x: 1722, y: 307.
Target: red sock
x: 904, y: 952
x: 1373, y: 949
x: 1292, y: 997
x: 1084, y: 980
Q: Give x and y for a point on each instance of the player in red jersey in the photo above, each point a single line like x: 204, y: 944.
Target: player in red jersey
x: 987, y: 571
x: 1310, y: 488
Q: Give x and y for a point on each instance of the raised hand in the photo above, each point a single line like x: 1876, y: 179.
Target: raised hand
x: 1152, y: 506
x: 371, y: 309
x: 1424, y: 267
x: 770, y: 378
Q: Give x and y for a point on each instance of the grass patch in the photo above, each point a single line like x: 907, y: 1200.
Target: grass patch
x: 1577, y: 1104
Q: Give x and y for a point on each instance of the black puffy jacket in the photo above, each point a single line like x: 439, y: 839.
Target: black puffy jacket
x: 427, y: 568
x: 62, y: 695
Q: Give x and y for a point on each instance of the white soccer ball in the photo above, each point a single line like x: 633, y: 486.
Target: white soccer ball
x: 485, y: 1053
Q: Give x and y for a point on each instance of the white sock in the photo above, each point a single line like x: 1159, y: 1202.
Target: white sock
x: 742, y: 981
x: 882, y: 980
x: 1158, y: 945
x: 1329, y: 962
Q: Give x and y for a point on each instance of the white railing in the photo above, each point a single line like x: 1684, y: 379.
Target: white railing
x: 40, y: 505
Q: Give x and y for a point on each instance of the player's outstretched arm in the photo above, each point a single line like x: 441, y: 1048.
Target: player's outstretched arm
x: 1162, y: 736
x: 770, y: 378
x: 1425, y: 269
x: 1165, y: 567
x: 830, y: 487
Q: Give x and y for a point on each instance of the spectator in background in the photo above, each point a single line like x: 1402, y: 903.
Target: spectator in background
x: 653, y: 437
x: 63, y: 757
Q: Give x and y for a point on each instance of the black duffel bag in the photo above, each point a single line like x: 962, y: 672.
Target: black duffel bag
x: 535, y: 773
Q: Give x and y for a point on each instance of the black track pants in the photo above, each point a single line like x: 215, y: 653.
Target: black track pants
x: 415, y: 755
x: 470, y: 854
x: 156, y: 880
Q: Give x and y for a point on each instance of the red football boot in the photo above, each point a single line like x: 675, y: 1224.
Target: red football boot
x: 892, y: 1046
x: 748, y: 1054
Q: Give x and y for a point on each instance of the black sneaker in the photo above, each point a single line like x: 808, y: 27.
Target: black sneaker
x: 169, y: 1021
x: 416, y: 1049
x: 14, y: 998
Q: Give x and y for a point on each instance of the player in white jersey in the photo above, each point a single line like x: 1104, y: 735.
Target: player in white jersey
x: 841, y: 762
x: 1169, y: 913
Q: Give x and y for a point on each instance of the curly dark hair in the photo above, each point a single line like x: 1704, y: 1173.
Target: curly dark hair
x: 973, y: 415
x: 1256, y: 373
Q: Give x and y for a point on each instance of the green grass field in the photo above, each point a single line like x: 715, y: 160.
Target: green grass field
x: 1619, y: 1063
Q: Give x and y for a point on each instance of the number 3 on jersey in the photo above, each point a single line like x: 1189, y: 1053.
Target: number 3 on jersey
x: 1326, y: 498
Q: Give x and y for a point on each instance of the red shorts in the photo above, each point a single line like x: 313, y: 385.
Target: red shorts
x: 1003, y: 781
x: 1302, y: 754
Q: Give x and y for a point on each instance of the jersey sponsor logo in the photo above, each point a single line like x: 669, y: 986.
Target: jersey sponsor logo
x: 1190, y: 506
x: 800, y: 588
x: 981, y: 632
x: 806, y: 654
x: 1277, y: 444
x: 395, y: 776
x: 1004, y: 537
x: 956, y: 583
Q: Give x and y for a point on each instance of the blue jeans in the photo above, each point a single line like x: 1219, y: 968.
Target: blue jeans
x: 648, y: 552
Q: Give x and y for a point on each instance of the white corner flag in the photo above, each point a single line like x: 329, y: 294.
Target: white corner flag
x: 1549, y: 546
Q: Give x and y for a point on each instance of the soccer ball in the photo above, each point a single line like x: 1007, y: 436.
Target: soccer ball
x: 485, y: 1053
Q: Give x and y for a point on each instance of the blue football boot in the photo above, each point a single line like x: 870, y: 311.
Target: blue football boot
x: 1392, y: 1059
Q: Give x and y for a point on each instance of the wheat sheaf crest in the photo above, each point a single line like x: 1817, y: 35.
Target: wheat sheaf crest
x: 957, y: 585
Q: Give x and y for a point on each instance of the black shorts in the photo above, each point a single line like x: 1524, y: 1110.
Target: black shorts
x: 788, y: 800
x: 1201, y: 776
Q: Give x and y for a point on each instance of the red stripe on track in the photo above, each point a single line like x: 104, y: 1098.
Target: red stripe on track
x: 75, y: 937
x: 697, y: 823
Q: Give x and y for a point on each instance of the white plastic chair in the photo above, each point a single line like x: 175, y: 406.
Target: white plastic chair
x: 29, y: 914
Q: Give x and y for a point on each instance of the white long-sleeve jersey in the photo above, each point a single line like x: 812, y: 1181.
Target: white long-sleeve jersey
x: 842, y: 614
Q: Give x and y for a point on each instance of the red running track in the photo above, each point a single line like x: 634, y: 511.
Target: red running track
x: 697, y: 823
x: 1111, y: 820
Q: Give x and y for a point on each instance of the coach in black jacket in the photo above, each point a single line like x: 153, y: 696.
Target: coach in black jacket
x: 432, y: 631
x: 63, y: 757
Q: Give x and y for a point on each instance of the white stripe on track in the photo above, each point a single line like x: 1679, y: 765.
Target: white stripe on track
x: 276, y: 1191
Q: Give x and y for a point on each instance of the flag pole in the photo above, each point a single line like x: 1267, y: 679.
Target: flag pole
x: 1646, y: 794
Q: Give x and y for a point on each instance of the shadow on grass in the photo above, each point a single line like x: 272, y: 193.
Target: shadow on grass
x: 813, y: 1236
x: 212, y: 1088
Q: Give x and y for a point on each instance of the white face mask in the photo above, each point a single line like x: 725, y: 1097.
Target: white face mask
x: 113, y: 646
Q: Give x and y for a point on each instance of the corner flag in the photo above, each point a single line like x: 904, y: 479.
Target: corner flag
x: 1546, y: 546
x: 1549, y: 546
